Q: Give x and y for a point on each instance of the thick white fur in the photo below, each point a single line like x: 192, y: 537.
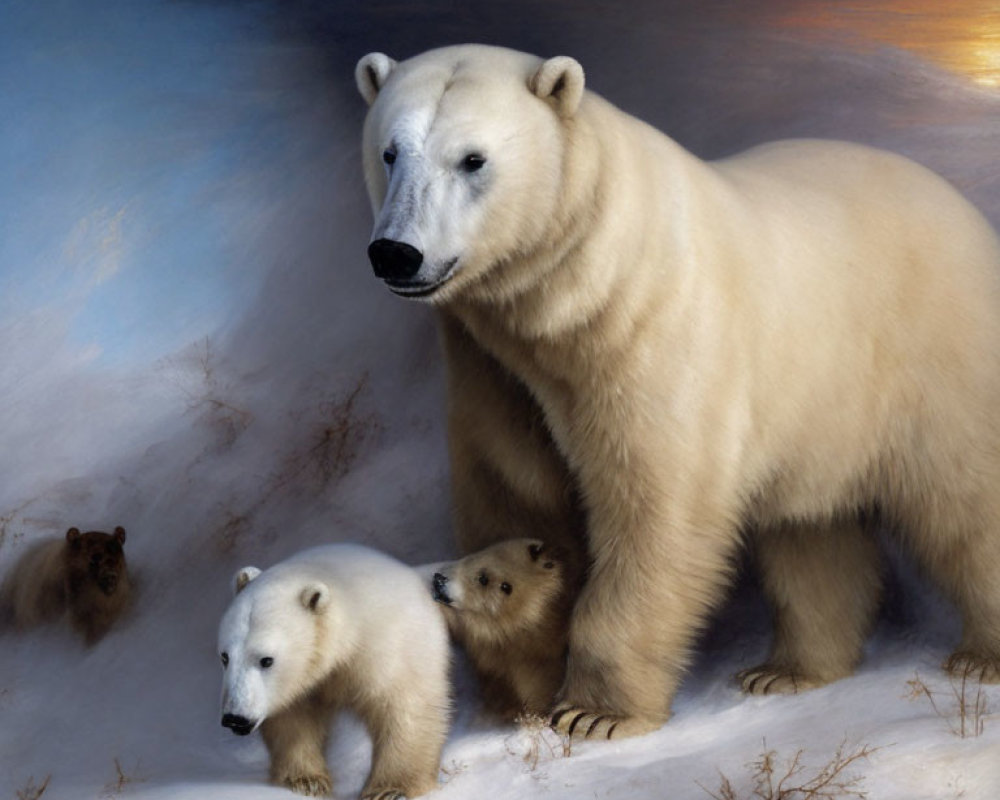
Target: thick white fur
x: 766, y: 344
x: 346, y: 627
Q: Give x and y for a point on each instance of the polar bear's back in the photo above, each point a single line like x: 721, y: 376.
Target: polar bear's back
x: 402, y: 629
x: 369, y: 578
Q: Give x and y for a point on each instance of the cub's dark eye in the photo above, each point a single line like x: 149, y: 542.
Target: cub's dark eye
x: 473, y: 162
x: 483, y: 579
x: 266, y: 662
x: 389, y: 156
x: 225, y: 659
x: 506, y: 588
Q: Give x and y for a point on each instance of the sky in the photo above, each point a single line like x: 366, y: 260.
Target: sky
x: 192, y: 346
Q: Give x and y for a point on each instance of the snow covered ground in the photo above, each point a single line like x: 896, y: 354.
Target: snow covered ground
x: 192, y: 346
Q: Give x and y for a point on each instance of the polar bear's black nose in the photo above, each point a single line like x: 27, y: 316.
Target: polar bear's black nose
x: 394, y: 261
x: 237, y: 724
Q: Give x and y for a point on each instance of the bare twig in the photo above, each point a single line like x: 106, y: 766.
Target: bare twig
x: 536, y: 741
x: 32, y: 792
x: 771, y: 782
x: 117, y: 786
x: 967, y: 717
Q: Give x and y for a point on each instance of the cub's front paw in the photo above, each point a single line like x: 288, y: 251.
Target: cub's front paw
x: 320, y: 785
x: 582, y: 723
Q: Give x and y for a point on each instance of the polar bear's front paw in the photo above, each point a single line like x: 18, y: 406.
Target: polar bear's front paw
x: 320, y: 785
x: 774, y: 679
x: 581, y: 723
x: 384, y: 794
x: 968, y: 665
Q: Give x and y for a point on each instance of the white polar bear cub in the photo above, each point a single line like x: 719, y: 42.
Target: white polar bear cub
x: 338, y: 625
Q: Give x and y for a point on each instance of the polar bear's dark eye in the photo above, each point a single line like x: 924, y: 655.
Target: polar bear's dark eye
x: 389, y: 156
x: 266, y: 662
x: 483, y: 579
x: 473, y: 162
x: 506, y: 588
x: 225, y: 659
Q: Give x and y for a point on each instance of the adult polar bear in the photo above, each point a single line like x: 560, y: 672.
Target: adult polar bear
x: 772, y: 343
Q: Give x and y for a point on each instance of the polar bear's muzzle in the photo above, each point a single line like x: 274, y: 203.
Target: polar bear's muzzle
x: 403, y: 269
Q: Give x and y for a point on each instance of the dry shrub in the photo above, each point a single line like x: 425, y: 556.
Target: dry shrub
x: 771, y: 781
x: 117, y: 786
x: 535, y: 741
x: 196, y: 374
x: 31, y: 791
x: 967, y: 715
x: 230, y: 531
x: 315, y: 459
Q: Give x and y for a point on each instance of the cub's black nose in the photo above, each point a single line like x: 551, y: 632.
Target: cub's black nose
x: 237, y: 724
x: 440, y: 593
x: 394, y: 261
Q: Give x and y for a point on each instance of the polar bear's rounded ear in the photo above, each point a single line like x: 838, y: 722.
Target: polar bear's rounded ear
x: 243, y: 577
x: 559, y: 80
x: 72, y: 534
x: 371, y: 73
x: 315, y: 597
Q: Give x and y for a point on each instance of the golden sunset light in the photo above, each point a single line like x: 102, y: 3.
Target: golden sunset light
x: 963, y: 37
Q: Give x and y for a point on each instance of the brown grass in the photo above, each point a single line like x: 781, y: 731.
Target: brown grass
x: 117, y: 786
x: 535, y: 741
x: 967, y: 714
x: 31, y: 791
x: 315, y: 460
x: 196, y: 374
x: 792, y: 781
x: 329, y: 447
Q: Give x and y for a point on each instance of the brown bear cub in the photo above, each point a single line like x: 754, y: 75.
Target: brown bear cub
x: 508, y: 606
x: 84, y: 574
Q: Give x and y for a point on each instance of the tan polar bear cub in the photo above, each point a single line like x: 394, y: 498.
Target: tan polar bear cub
x: 776, y: 345
x: 508, y: 606
x: 338, y: 626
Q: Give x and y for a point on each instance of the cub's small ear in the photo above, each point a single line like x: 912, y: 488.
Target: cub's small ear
x: 72, y: 534
x: 371, y: 73
x: 315, y: 597
x: 243, y: 577
x: 120, y: 534
x: 559, y: 80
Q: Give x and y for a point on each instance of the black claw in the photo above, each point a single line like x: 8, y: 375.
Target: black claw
x: 572, y: 726
x: 767, y: 686
x: 752, y: 686
x: 593, y: 725
x: 611, y: 730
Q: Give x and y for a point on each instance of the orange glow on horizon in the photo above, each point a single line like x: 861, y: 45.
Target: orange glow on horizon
x: 963, y: 37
